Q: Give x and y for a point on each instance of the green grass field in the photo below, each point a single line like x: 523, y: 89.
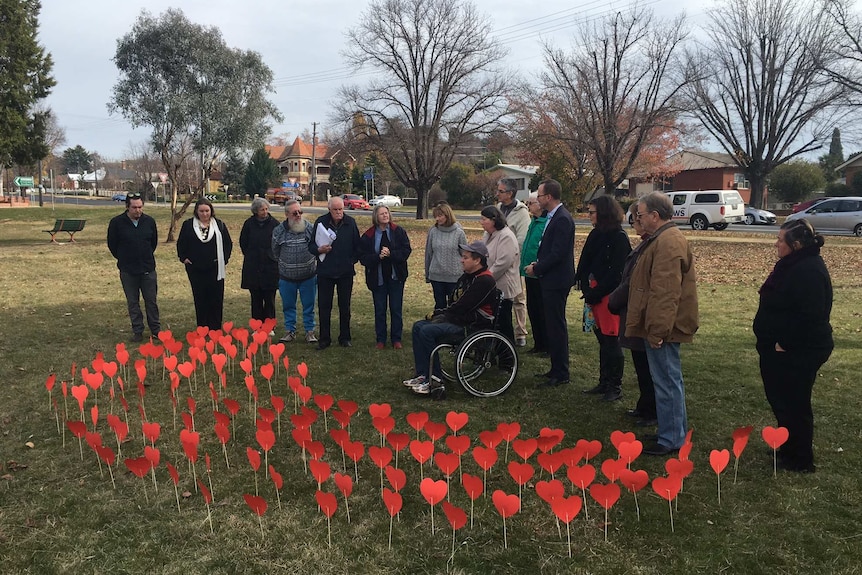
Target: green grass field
x: 62, y: 304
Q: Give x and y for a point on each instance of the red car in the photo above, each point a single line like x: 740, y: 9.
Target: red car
x: 802, y: 206
x: 354, y: 202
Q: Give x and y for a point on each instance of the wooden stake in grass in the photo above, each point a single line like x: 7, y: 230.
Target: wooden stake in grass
x: 207, y: 499
x: 254, y: 461
x: 719, y: 460
x: 175, y: 477
x: 278, y: 482
x: 393, y: 502
x: 328, y: 503
x: 668, y: 488
x: 345, y: 485
x: 775, y: 437
x: 506, y: 505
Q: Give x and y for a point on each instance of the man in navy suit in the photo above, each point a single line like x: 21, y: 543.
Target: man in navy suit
x: 555, y: 268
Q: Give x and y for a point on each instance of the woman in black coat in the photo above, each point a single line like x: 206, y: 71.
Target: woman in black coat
x: 794, y: 336
x: 383, y: 251
x: 600, y: 269
x: 204, y: 246
x: 259, y: 269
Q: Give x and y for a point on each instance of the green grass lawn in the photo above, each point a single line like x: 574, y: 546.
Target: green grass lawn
x: 62, y: 304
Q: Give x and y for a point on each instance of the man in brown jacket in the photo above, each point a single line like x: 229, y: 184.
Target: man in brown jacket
x: 663, y: 311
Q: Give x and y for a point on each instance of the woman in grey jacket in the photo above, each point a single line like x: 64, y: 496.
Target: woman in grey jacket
x: 442, y: 256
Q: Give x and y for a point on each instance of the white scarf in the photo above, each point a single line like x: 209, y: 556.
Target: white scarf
x: 215, y: 233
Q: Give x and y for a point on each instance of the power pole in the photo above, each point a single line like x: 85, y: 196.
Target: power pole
x: 313, y: 180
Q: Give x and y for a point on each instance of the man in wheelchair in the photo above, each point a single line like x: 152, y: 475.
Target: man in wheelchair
x: 471, y: 307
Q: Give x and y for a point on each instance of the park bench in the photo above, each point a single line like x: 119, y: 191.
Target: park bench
x: 68, y: 226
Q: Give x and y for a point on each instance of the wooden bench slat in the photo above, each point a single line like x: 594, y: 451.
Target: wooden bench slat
x: 68, y: 226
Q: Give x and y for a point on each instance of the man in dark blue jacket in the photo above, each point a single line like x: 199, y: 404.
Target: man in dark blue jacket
x: 336, y: 258
x: 555, y: 268
x: 132, y: 239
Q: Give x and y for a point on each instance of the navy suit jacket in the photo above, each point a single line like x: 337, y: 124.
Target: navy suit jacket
x: 555, y: 261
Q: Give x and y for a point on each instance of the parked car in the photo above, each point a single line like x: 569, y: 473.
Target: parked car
x: 834, y: 215
x: 388, y: 201
x: 281, y: 196
x: 802, y: 206
x: 354, y: 202
x: 757, y: 216
x: 119, y: 197
x: 704, y: 208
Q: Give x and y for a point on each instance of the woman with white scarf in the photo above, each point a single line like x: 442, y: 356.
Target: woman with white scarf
x: 204, y: 246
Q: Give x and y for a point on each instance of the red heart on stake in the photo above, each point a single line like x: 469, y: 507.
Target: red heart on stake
x: 398, y: 441
x: 618, y: 437
x: 379, y: 410
x: 140, y: 466
x: 566, y: 508
x: 383, y: 425
x: 485, y: 457
x: 458, y: 444
x: 521, y: 472
x: 719, y: 460
x: 612, y: 467
x: 417, y: 420
x: 267, y: 370
x: 380, y: 456
x: 256, y: 503
x: 456, y: 516
x: 393, y: 501
x: 667, y: 487
x: 433, y: 491
x: 509, y: 431
x: 302, y: 370
x: 421, y: 450
x: 740, y: 439
x: 170, y: 362
x: 550, y: 490
x: 551, y: 462
x: 491, y: 439
x: 472, y: 485
x: 324, y: 402
x: 550, y: 438
x: 447, y: 462
x: 265, y: 438
x: 434, y: 430
x: 774, y: 437
x: 634, y: 481
x: 80, y: 392
x: 396, y: 477
x: 253, y: 458
x: 589, y: 449
x: 219, y: 360
x: 456, y: 421
x: 506, y: 505
x: 525, y: 448
x: 582, y: 476
x: 320, y: 470
x: 679, y: 467
x: 630, y: 450
x: 605, y: 494
x: 344, y: 483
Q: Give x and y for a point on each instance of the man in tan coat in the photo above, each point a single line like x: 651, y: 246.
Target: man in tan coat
x: 663, y: 311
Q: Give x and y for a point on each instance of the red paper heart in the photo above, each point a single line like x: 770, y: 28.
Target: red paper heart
x: 589, y: 449
x: 342, y: 418
x: 521, y: 472
x: 170, y: 362
x: 383, y: 425
x: 277, y: 479
x: 618, y: 437
x: 719, y: 460
x: 684, y: 451
x: 434, y: 430
x: 550, y: 490
x: 525, y: 448
x: 246, y: 365
x: 94, y: 440
x: 380, y: 456
x: 634, y: 481
x: 153, y: 455
x: 266, y: 415
x: 354, y: 450
x: 447, y: 462
x: 550, y: 438
x: 320, y: 470
x: 379, y: 410
x: 485, y: 457
x: 175, y: 476
x: 188, y: 422
x: 582, y: 476
x: 474, y: 486
x: 256, y: 503
x: 265, y: 438
x: 304, y: 392
x: 740, y: 439
x: 567, y: 508
x: 186, y: 369
x: 140, y: 466
x: 509, y: 431
x: 458, y: 444
x: 630, y: 450
x: 456, y: 420
x: 277, y: 403
x: 267, y: 370
x: 231, y: 405
x: 323, y: 402
x: 774, y: 437
x: 339, y: 436
x: 80, y: 392
x: 421, y: 450
x: 417, y: 420
x: 219, y: 360
x: 222, y: 432
x: 253, y: 458
x: 393, y: 501
x: 550, y: 462
x: 302, y: 370
x: 611, y: 468
x: 605, y: 494
x: 106, y: 454
x: 276, y: 350
x: 110, y: 369
x: 433, y: 491
x: 316, y: 450
x: 681, y: 468
x: 506, y: 505
x: 396, y: 477
x: 667, y: 487
x: 344, y: 483
x: 491, y: 439
x: 302, y: 437
x: 457, y: 517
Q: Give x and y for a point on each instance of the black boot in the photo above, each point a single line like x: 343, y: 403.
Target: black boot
x: 615, y: 379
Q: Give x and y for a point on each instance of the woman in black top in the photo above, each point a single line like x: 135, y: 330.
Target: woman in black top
x: 204, y: 246
x: 600, y: 269
x: 794, y: 336
x: 259, y: 268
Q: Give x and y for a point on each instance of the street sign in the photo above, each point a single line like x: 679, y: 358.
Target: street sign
x: 369, y: 173
x: 24, y: 182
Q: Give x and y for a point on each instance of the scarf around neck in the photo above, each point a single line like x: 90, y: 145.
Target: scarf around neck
x: 216, y: 233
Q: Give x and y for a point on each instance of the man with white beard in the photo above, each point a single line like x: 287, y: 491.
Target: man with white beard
x: 297, y: 269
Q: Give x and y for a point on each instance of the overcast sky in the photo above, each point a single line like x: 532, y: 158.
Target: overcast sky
x: 298, y: 40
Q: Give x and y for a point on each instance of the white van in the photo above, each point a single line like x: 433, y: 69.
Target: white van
x: 704, y: 208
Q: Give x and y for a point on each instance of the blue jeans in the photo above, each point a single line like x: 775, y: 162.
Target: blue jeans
x: 666, y: 372
x: 134, y: 287
x: 307, y: 290
x: 391, y: 292
x: 425, y: 336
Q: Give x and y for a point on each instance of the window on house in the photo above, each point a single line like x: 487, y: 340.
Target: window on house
x: 739, y: 182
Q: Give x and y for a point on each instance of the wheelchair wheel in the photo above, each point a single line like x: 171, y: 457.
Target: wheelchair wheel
x: 486, y: 364
x: 445, y: 354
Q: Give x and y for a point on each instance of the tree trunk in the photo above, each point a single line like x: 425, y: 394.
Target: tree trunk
x: 757, y: 186
x: 421, y: 204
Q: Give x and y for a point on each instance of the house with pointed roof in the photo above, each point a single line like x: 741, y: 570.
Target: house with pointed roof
x: 295, y: 161
x: 696, y: 170
x: 852, y: 167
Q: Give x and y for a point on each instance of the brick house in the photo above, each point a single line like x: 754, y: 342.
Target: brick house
x: 697, y: 170
x: 294, y: 162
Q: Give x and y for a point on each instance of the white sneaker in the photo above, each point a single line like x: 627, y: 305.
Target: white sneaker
x: 427, y: 387
x: 414, y: 381
x: 310, y: 337
x: 288, y: 337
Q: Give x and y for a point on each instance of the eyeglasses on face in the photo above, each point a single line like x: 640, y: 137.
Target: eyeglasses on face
x: 296, y: 213
x: 640, y: 215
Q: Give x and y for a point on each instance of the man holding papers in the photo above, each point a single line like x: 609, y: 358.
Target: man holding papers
x: 335, y: 242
